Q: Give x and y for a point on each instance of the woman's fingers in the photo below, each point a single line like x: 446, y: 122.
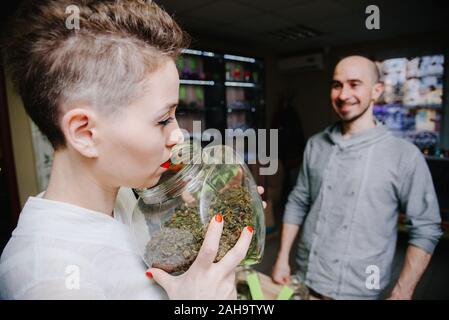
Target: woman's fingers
x: 209, y: 248
x: 261, y: 190
x: 234, y: 256
x: 161, y: 277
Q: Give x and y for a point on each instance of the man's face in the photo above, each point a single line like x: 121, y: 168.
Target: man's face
x: 135, y: 142
x: 353, y: 88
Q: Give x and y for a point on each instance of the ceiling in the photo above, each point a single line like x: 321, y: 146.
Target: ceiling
x: 259, y: 23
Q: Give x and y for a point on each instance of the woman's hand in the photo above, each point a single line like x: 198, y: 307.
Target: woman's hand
x: 205, y: 279
x: 261, y: 190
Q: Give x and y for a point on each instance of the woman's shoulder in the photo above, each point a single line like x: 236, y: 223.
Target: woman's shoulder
x: 28, y: 263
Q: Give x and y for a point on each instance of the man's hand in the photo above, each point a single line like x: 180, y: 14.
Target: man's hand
x: 281, y: 271
x: 401, y: 293
x: 416, y: 261
x: 261, y: 190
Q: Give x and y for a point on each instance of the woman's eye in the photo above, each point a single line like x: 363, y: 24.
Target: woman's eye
x: 166, y: 121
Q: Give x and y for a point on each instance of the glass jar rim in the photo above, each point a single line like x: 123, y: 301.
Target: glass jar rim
x: 176, y: 184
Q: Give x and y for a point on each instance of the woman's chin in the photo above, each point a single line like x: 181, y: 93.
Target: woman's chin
x: 149, y: 182
x: 146, y: 184
x: 153, y: 181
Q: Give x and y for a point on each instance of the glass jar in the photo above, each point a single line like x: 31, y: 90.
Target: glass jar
x: 241, y: 283
x: 170, y: 220
x: 301, y: 292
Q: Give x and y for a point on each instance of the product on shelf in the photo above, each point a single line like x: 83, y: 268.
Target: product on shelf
x: 411, y: 105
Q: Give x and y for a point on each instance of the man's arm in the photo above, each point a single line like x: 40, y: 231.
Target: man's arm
x: 416, y: 261
x: 419, y: 201
x: 289, y: 233
x: 296, y: 209
x: 281, y: 269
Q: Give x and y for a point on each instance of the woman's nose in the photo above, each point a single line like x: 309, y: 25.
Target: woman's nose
x: 175, y: 137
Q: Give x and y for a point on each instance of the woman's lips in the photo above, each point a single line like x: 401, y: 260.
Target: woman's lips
x: 172, y: 166
x: 166, y: 164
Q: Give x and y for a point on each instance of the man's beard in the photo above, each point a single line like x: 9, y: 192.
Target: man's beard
x: 357, y: 116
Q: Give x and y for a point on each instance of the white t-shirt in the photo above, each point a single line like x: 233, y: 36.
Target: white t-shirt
x: 62, y: 251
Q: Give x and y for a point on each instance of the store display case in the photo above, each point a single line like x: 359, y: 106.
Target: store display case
x: 412, y: 103
x: 412, y: 107
x: 223, y: 91
x: 201, y: 96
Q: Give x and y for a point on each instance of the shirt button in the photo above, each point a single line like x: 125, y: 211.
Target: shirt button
x: 352, y: 193
x: 345, y: 227
x: 336, y: 261
x: 329, y: 187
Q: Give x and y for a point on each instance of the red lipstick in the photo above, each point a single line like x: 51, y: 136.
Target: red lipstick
x: 166, y: 164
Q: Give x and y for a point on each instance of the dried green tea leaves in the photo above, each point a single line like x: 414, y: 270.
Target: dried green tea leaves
x: 176, y: 246
x: 171, y: 250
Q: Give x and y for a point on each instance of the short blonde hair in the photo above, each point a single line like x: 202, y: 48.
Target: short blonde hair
x: 103, y: 63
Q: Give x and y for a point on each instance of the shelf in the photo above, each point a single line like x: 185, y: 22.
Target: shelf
x: 241, y: 84
x: 239, y: 58
x: 435, y: 158
x: 197, y: 82
x: 181, y: 111
x: 232, y: 109
x: 198, y: 53
x: 427, y: 106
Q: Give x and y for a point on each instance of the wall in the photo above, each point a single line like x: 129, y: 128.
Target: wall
x: 22, y: 145
x: 312, y: 87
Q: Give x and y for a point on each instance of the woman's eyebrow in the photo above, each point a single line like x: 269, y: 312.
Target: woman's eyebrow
x: 168, y: 108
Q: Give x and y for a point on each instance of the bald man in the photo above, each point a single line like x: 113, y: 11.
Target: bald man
x: 355, y: 179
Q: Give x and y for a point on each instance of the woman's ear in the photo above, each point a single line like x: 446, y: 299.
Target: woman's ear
x: 78, y: 126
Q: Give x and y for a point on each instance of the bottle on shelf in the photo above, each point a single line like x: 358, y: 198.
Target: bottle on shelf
x: 247, y: 76
x: 237, y: 73
x: 228, y: 72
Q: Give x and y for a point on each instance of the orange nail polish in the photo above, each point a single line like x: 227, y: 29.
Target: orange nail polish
x: 149, y: 274
x: 250, y: 229
x: 218, y: 217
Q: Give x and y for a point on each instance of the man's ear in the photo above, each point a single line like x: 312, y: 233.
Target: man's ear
x: 377, y: 91
x: 78, y: 126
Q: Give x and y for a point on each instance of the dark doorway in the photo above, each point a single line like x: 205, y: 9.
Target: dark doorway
x: 9, y: 199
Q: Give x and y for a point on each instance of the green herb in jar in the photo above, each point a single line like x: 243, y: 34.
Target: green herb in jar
x: 176, y: 246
